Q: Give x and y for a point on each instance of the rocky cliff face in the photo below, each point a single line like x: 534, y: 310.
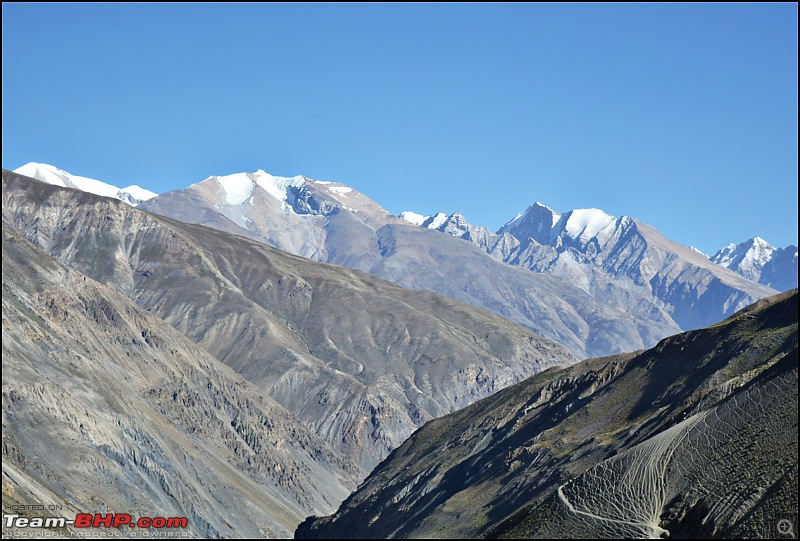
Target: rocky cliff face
x: 696, y: 437
x: 361, y: 362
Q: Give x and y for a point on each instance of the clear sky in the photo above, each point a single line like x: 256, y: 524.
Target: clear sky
x: 681, y: 115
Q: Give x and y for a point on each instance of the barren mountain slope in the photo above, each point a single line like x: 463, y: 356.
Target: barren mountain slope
x: 106, y: 407
x: 361, y: 361
x: 697, y: 436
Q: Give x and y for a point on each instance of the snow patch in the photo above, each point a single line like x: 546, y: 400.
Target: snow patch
x: 587, y: 223
x: 277, y: 186
x: 340, y: 190
x: 413, y: 217
x: 238, y: 187
x: 438, y: 219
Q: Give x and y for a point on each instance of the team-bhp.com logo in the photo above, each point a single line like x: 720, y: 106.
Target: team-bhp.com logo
x: 96, y: 520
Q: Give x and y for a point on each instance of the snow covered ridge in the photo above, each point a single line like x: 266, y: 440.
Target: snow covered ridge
x: 132, y: 195
x: 580, y: 224
x: 692, y: 248
x: 755, y: 259
x: 292, y: 192
x: 434, y: 221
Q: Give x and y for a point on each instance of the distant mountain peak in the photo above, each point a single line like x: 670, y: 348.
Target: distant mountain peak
x: 542, y: 205
x: 759, y: 261
x: 536, y: 222
x: 132, y: 195
x: 751, y: 251
x: 761, y: 242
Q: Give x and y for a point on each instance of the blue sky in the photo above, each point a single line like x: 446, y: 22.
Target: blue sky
x: 681, y: 115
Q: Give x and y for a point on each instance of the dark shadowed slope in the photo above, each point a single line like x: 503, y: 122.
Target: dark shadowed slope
x: 697, y: 436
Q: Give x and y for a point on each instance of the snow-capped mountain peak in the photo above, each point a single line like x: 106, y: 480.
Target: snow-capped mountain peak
x: 755, y: 249
x: 746, y: 258
x: 758, y: 241
x: 132, y: 195
x: 537, y: 222
x: 758, y: 260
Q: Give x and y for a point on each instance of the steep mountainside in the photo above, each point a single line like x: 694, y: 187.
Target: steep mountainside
x: 105, y: 407
x: 333, y: 223
x: 360, y: 361
x: 758, y: 260
x: 696, y: 437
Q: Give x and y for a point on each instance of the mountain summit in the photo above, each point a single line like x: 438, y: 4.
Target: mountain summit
x: 761, y: 262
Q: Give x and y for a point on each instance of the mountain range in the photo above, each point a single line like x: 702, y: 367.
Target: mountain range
x: 614, y: 277
x: 754, y: 259
x: 601, y: 254
x: 160, y: 356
